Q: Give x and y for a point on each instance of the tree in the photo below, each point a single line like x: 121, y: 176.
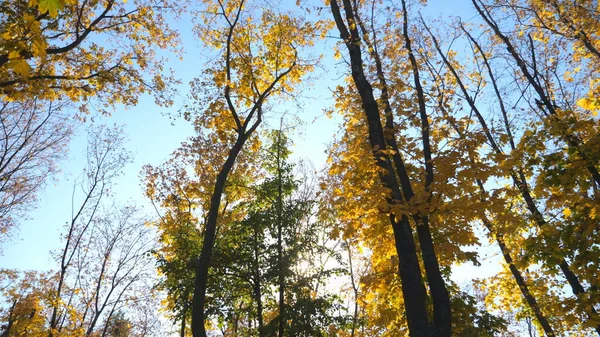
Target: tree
x: 118, y: 326
x: 258, y: 61
x: 58, y: 49
x: 550, y: 86
x: 26, y: 297
x: 499, y: 237
x: 33, y: 135
x: 454, y: 132
x: 265, y: 233
x: 394, y: 174
x: 260, y: 287
x: 121, y: 271
x: 106, y: 158
x: 105, y: 265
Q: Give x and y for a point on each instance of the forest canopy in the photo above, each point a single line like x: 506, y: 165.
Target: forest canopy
x: 459, y: 195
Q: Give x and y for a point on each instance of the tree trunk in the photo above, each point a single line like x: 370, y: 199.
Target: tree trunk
x: 442, y: 313
x: 182, y: 330
x: 355, y: 290
x: 281, y: 278
x: 257, y: 283
x: 10, y: 321
x: 208, y: 243
x: 531, y: 301
x: 413, y: 290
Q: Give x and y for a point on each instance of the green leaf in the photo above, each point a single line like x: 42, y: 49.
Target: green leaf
x: 51, y: 6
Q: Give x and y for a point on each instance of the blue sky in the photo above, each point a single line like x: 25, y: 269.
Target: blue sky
x: 153, y: 136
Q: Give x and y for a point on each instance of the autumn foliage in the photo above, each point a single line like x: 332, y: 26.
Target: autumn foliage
x: 465, y: 143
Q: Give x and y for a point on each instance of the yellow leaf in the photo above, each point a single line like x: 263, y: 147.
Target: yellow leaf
x: 337, y: 55
x: 29, y: 18
x: 20, y: 67
x: 38, y: 48
x: 567, y: 212
x: 585, y: 103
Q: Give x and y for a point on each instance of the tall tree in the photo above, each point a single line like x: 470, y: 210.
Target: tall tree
x: 558, y: 130
x: 106, y: 159
x: 259, y: 59
x: 69, y: 51
x: 265, y: 233
x: 272, y: 248
x: 104, y: 266
x: 394, y: 174
x: 518, y: 276
x: 32, y: 139
x: 526, y: 144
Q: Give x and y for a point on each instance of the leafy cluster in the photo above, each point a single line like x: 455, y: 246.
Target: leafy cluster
x: 458, y: 137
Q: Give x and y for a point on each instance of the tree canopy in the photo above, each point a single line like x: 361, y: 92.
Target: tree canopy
x: 458, y: 138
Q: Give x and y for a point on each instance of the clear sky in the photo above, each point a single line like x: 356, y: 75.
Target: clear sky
x: 153, y: 136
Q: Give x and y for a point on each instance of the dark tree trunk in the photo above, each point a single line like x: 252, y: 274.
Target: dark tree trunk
x: 280, y: 276
x: 441, y: 299
x: 208, y: 243
x: 183, y: 313
x: 442, y: 313
x: 11, y: 320
x: 413, y: 290
x: 256, y: 283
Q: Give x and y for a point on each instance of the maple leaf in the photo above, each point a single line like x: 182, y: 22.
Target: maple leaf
x: 20, y: 67
x: 51, y: 6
